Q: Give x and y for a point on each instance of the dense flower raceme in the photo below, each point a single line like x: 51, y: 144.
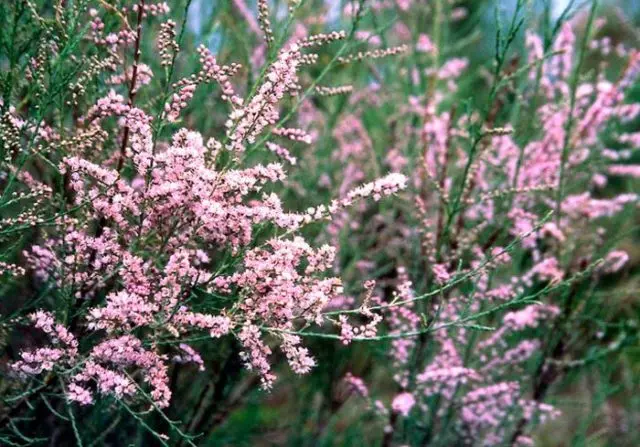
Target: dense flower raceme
x: 156, y: 231
x: 525, y: 175
x: 209, y: 207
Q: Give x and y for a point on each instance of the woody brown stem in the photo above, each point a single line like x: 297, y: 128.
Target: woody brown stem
x: 132, y: 86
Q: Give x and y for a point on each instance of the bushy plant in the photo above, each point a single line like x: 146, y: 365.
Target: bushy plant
x: 338, y: 214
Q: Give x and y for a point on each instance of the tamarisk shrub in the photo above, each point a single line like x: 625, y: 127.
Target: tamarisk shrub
x: 136, y: 227
x: 205, y: 204
x: 506, y: 228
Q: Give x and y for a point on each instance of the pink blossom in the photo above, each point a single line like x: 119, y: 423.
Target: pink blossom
x: 424, y: 44
x: 403, y: 403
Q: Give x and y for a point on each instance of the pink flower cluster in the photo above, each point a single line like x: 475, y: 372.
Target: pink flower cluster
x: 64, y: 348
x: 475, y: 191
x: 152, y: 218
x: 261, y: 110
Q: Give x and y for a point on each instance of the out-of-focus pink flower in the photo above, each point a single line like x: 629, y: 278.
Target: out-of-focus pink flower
x: 403, y: 403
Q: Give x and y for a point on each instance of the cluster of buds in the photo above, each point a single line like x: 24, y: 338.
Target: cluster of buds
x: 293, y: 134
x: 333, y: 91
x: 167, y: 42
x: 265, y: 23
x: 373, y: 54
x: 322, y: 39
